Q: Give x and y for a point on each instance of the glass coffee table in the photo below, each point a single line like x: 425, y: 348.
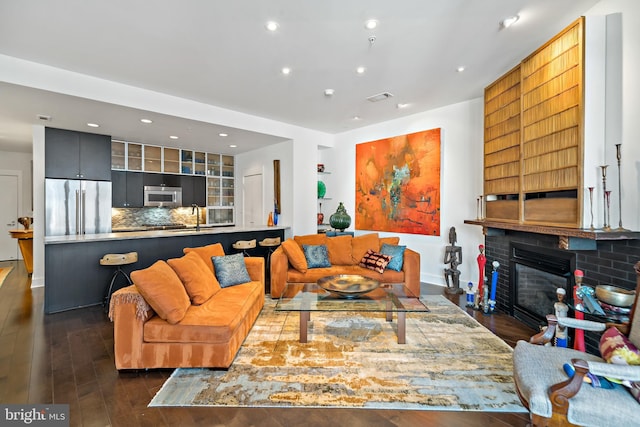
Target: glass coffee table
x: 387, y: 298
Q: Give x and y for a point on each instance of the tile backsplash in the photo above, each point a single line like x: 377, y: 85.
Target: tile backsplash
x: 137, y: 217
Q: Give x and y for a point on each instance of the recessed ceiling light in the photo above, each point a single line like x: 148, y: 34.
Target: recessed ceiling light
x: 286, y: 70
x: 460, y: 69
x: 360, y: 70
x: 507, y: 22
x: 371, y: 24
x: 233, y: 146
x: 400, y: 106
x: 93, y: 125
x: 355, y: 118
x: 146, y: 121
x: 329, y: 92
x: 271, y: 26
x: 173, y: 137
x: 223, y: 134
x: 379, y: 97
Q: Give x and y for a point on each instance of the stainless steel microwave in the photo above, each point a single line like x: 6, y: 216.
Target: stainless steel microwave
x: 161, y: 196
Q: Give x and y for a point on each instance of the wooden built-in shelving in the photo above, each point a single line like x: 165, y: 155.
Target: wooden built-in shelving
x: 533, y: 137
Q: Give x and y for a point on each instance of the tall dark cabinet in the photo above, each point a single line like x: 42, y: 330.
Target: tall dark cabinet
x: 77, y: 155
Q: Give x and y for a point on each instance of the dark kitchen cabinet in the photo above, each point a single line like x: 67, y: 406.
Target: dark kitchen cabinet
x: 161, y: 179
x: 127, y: 189
x: 194, y: 189
x: 77, y: 155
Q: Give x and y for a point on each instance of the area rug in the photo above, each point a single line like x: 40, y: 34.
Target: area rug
x: 4, y: 272
x: 449, y: 362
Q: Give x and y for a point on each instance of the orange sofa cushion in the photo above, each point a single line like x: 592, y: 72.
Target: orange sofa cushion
x: 162, y: 289
x: 295, y: 255
x: 206, y: 252
x: 215, y: 321
x: 311, y: 239
x: 389, y: 241
x: 360, y: 245
x: 199, y: 282
x: 339, y: 248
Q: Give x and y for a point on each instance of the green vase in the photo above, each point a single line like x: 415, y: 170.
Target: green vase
x: 340, y: 219
x: 322, y: 189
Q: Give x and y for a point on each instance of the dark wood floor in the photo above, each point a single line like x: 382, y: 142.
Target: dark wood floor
x: 68, y: 358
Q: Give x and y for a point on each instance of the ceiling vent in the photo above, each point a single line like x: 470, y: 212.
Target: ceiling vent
x: 44, y: 117
x: 379, y: 97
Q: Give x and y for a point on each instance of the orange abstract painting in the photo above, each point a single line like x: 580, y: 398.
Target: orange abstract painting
x: 398, y: 184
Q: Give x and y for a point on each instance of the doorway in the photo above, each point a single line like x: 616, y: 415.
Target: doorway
x: 8, y: 215
x: 253, y: 213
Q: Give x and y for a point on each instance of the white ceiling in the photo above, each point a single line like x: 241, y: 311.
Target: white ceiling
x: 219, y: 53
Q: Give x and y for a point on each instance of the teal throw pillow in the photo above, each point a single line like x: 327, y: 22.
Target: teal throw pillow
x: 397, y: 254
x: 317, y: 256
x: 230, y: 270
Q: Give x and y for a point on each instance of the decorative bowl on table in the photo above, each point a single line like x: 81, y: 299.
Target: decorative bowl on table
x: 615, y: 296
x: 348, y: 285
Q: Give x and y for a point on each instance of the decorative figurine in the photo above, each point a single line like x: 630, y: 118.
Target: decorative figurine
x: 494, y: 286
x: 470, y: 294
x: 561, y: 310
x: 482, y: 260
x: 578, y: 343
x: 453, y: 256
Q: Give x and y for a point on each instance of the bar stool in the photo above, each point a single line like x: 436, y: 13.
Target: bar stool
x: 271, y: 243
x: 118, y: 260
x: 244, y: 246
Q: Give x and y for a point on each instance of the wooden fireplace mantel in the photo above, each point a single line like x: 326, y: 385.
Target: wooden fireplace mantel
x: 569, y: 238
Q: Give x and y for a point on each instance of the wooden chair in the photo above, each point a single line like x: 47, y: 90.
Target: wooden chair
x: 553, y: 400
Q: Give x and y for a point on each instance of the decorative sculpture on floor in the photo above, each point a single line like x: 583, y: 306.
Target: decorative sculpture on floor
x: 561, y: 310
x: 452, y: 256
x: 482, y: 261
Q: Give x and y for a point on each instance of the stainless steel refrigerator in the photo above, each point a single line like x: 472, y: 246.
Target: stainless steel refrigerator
x: 77, y: 207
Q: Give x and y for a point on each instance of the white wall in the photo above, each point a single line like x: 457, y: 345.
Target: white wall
x: 21, y: 162
x: 461, y: 181
x: 262, y: 161
x: 628, y: 108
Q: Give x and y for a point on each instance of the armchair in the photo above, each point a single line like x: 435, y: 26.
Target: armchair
x: 555, y: 401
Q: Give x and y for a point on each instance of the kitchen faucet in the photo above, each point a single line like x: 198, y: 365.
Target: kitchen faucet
x: 196, y: 208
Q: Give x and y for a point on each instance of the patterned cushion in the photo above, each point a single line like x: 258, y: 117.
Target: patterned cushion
x: 230, y: 270
x: 295, y: 255
x: 616, y: 348
x: 397, y: 255
x: 317, y: 256
x: 375, y: 261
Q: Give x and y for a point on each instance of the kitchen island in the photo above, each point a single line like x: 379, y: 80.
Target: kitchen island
x: 74, y: 277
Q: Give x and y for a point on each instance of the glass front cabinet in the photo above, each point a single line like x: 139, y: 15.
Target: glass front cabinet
x: 219, y: 170
x: 220, y: 189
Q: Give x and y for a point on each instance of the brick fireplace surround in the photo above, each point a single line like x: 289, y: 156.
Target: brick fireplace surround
x: 612, y: 262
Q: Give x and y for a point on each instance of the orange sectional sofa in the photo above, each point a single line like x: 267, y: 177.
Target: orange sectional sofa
x: 345, y: 253
x: 176, y: 314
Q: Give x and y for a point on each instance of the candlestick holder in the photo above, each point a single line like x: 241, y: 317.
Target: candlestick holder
x: 481, y: 207
x: 619, y: 157
x: 605, y: 226
x: 607, y: 197
x: 591, y: 227
x: 478, y: 208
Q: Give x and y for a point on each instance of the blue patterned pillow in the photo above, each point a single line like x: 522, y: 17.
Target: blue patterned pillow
x: 230, y: 270
x: 317, y: 256
x: 397, y: 253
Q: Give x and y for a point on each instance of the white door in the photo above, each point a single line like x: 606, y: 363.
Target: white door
x: 8, y: 216
x: 252, y: 201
